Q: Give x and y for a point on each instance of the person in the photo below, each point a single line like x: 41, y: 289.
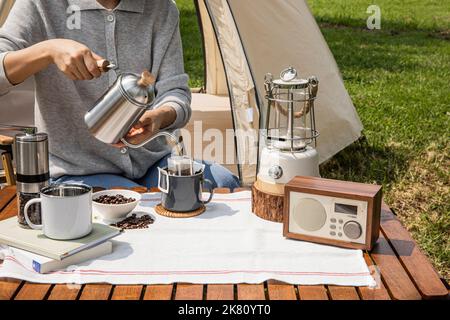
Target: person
x: 59, y: 43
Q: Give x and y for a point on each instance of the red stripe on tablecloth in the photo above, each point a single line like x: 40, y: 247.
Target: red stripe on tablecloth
x: 214, y: 200
x: 203, y: 272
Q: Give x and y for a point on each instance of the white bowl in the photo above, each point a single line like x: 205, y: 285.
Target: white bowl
x: 115, y: 212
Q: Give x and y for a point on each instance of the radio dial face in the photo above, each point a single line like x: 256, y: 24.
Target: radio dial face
x: 352, y: 230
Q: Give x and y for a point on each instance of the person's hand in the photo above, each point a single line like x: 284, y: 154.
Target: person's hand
x: 74, y: 59
x: 150, y: 124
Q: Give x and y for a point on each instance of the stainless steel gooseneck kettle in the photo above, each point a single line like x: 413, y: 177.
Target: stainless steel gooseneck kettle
x: 123, y: 104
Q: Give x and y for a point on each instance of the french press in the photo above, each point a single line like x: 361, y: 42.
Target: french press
x: 30, y: 153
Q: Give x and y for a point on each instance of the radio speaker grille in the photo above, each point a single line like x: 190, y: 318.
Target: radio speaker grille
x: 309, y: 214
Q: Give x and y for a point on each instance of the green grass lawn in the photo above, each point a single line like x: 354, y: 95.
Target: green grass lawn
x: 399, y: 80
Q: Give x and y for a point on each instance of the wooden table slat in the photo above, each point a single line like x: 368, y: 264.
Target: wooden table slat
x: 220, y: 292
x: 414, y: 261
x: 281, y: 291
x: 343, y: 293
x: 378, y: 293
x: 9, y: 211
x: 96, y: 292
x: 136, y: 189
x: 33, y: 291
x: 123, y: 292
x: 242, y: 189
x: 64, y: 292
x: 8, y: 287
x: 158, y: 292
x: 251, y: 292
x: 221, y: 190
x: 189, y: 292
x: 6, y: 195
x: 6, y: 140
x: 312, y: 293
x: 396, y: 278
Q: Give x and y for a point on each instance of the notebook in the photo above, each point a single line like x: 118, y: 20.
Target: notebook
x: 43, y: 264
x: 35, y: 241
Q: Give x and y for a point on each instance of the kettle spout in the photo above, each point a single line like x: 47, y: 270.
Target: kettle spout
x: 175, y: 142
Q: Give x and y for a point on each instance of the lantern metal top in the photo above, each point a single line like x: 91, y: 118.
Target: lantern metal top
x: 288, y: 74
x: 289, y: 80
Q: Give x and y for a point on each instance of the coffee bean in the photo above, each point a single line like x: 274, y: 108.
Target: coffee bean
x: 117, y: 199
x: 133, y: 222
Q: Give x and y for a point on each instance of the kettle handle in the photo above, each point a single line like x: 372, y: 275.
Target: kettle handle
x: 146, y: 79
x: 176, y: 142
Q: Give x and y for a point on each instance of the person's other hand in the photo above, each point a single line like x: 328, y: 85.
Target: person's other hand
x: 74, y: 59
x: 150, y: 124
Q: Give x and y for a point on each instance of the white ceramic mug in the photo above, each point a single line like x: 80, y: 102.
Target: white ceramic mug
x: 66, y: 211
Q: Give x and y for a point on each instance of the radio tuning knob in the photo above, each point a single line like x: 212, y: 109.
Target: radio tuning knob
x: 276, y: 172
x: 352, y: 230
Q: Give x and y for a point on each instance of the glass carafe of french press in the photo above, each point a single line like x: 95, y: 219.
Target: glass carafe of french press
x: 30, y: 152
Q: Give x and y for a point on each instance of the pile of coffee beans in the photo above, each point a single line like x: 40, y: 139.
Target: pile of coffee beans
x: 117, y: 199
x: 134, y: 222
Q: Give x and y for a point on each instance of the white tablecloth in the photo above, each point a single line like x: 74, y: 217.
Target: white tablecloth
x: 227, y: 244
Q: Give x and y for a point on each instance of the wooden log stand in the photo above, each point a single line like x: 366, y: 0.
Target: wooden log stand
x: 268, y: 206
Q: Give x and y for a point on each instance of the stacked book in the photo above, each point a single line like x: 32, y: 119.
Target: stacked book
x: 34, y: 250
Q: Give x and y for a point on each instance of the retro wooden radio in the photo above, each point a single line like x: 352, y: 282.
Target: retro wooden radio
x: 339, y: 213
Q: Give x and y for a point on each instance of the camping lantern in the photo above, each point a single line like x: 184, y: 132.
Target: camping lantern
x: 288, y: 140
x: 290, y: 124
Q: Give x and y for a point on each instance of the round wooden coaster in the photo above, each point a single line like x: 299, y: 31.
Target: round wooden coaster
x: 170, y: 214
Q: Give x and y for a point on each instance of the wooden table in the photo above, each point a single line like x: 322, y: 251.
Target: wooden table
x: 405, y: 271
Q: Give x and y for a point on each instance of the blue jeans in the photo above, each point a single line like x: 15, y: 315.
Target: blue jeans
x: 219, y: 175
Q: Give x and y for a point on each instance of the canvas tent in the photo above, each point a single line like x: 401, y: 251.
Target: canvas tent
x: 244, y: 40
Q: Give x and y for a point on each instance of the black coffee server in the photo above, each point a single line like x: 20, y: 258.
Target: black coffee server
x: 30, y: 152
